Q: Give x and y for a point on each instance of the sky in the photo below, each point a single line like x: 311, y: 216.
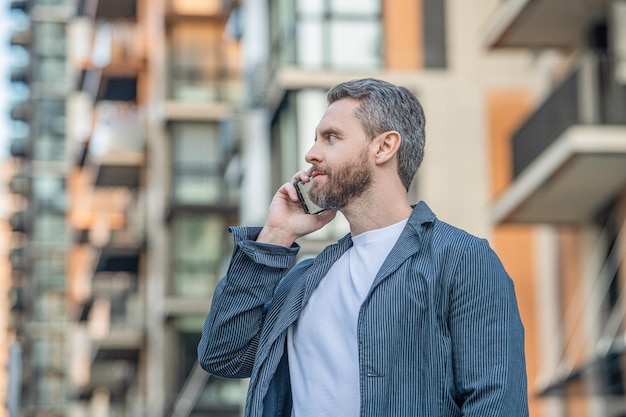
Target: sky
x: 5, y: 72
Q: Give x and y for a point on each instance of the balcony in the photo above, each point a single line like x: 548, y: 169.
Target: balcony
x: 111, y: 57
x: 19, y: 147
x: 96, y: 366
x: 107, y: 9
x: 114, y: 259
x: 20, y: 75
x: 569, y: 157
x: 21, y: 38
x: 18, y: 221
x: 115, y: 83
x: 22, y: 5
x: 116, y: 148
x: 20, y: 183
x: 114, y: 320
x: 194, y: 10
x: 21, y: 111
x: 543, y: 23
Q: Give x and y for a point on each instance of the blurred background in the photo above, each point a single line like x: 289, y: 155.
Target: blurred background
x: 134, y: 132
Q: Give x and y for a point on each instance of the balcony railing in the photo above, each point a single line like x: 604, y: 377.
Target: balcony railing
x: 111, y: 57
x: 589, y: 95
x: 542, y: 23
x: 107, y: 9
x: 190, y: 9
x: 116, y: 147
x: 569, y: 157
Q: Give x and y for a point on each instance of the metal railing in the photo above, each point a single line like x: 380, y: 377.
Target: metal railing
x: 588, y: 95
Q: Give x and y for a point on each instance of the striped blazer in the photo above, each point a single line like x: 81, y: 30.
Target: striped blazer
x: 439, y: 334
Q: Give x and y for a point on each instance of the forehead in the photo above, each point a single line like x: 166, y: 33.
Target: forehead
x: 340, y: 115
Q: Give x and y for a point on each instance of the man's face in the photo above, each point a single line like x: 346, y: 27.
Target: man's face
x: 340, y: 157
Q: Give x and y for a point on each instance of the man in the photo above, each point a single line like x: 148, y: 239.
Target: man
x: 404, y: 316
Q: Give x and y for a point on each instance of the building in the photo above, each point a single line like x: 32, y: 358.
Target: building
x: 39, y: 240
x: 145, y: 127
x: 125, y: 178
x: 561, y: 193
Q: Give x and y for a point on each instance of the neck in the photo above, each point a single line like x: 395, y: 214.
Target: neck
x: 377, y: 209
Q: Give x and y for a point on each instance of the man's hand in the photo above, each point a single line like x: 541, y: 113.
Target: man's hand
x: 286, y: 221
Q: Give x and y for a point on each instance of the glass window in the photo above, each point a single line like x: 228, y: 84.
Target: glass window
x: 52, y: 2
x: 52, y: 72
x: 51, y: 390
x: 203, y: 66
x: 50, y: 270
x: 49, y: 147
x: 221, y: 397
x: 50, y: 115
x: 50, y: 39
x: 355, y: 7
x: 197, y: 155
x: 337, y: 34
x: 50, y: 192
x: 284, y: 152
x: 50, y: 352
x: 282, y: 30
x: 50, y: 306
x: 360, y: 45
x: 309, y: 52
x: 198, y: 247
x: 50, y: 226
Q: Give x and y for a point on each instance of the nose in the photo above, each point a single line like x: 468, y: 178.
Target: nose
x: 313, y: 155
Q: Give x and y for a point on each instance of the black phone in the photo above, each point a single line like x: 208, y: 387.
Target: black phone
x: 308, y: 206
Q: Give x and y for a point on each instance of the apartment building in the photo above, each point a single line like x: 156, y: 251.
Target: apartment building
x: 146, y: 127
x: 40, y: 239
x: 560, y: 194
x: 126, y: 177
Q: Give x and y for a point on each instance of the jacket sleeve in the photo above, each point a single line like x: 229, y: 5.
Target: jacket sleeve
x: 232, y: 328
x: 487, y: 337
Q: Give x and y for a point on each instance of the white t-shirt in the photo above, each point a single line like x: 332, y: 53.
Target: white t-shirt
x: 322, y: 344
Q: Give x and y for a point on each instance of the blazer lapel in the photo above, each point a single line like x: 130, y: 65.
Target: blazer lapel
x: 293, y: 294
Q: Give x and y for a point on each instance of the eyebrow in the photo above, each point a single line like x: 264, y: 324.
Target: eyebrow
x: 327, y: 132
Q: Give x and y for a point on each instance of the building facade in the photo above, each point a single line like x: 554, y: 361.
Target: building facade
x: 560, y: 194
x: 144, y: 128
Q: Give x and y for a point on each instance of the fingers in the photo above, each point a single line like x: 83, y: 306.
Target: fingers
x: 301, y: 175
x: 288, y: 189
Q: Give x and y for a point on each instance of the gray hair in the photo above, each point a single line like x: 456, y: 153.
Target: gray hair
x: 385, y: 107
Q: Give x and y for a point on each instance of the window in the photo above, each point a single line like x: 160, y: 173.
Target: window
x: 50, y: 115
x: 434, y: 34
x: 50, y: 352
x: 50, y: 192
x: 203, y: 66
x: 51, y: 72
x: 50, y: 269
x: 332, y: 34
x: 197, y: 163
x: 198, y: 245
x: 50, y: 306
x: 50, y: 39
x: 50, y: 227
x: 220, y: 397
x: 51, y: 390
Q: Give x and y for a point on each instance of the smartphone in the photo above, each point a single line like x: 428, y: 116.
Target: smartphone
x: 308, y: 206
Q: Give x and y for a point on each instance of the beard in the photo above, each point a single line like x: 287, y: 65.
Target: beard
x: 343, y: 185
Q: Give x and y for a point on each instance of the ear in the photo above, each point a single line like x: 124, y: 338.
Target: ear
x: 387, y: 145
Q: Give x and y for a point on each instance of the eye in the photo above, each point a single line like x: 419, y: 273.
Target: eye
x: 332, y: 138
